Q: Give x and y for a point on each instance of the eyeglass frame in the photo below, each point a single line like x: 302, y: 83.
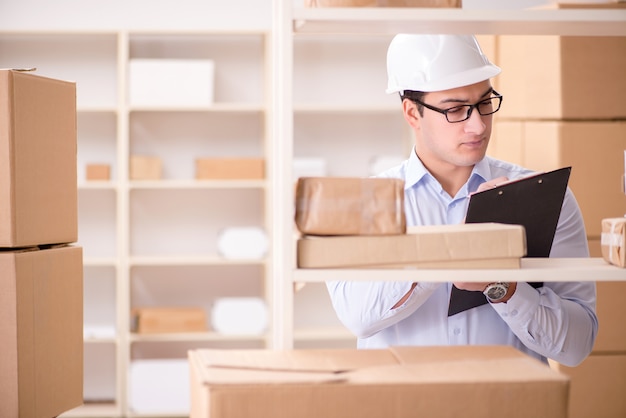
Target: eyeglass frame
x: 469, y: 112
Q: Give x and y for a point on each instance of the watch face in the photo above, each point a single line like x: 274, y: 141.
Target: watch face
x: 496, y: 291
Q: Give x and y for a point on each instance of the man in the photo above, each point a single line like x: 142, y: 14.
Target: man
x: 448, y: 101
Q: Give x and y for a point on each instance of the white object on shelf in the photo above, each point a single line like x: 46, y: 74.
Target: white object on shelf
x: 99, y: 331
x: 242, y: 243
x: 309, y: 167
x: 239, y: 316
x: 159, y: 386
x: 171, y: 82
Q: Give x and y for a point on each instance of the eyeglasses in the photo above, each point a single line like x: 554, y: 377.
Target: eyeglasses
x: 463, y: 112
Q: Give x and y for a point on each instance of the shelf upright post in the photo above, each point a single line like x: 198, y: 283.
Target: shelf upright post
x: 282, y: 192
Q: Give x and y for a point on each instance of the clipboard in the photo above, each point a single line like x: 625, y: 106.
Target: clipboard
x: 534, y: 202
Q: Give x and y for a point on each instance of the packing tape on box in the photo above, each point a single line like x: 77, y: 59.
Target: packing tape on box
x: 613, y: 239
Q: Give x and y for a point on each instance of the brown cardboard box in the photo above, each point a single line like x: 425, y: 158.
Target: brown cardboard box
x: 41, y: 331
x: 230, y: 168
x: 480, y: 245
x: 382, y: 3
x: 612, y: 329
x: 145, y: 168
x: 594, y: 150
x: 597, y: 386
x: 562, y: 77
x: 443, y: 382
x: 166, y: 320
x: 98, y: 172
x: 350, y: 206
x: 37, y: 160
x: 613, y: 241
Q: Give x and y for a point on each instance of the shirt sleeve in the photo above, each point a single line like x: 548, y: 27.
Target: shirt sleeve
x: 559, y: 319
x: 366, y: 307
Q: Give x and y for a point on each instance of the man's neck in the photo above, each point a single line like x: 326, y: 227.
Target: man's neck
x: 451, y: 177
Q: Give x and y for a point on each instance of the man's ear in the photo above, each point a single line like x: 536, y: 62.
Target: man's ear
x: 410, y: 112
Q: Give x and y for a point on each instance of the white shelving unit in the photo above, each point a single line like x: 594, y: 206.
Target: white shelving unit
x: 154, y: 243
x: 293, y: 27
x: 276, y: 97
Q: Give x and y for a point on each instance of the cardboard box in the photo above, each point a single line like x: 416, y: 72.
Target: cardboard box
x: 41, y: 331
x: 230, y: 168
x: 382, y: 3
x: 38, y: 193
x: 169, y: 320
x: 171, y: 82
x: 562, y: 77
x: 612, y: 330
x: 597, y: 386
x: 399, y: 382
x: 98, y: 172
x: 545, y: 146
x: 613, y: 241
x: 480, y: 245
x: 350, y: 206
x: 145, y: 168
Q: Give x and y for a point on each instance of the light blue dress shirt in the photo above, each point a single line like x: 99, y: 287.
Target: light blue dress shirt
x: 556, y: 321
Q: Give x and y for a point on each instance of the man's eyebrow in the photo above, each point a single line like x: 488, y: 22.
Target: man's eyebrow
x: 452, y: 100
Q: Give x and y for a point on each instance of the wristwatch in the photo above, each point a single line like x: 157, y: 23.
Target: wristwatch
x: 495, y: 292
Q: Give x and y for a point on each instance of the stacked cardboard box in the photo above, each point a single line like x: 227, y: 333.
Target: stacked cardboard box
x: 360, y: 222
x: 41, y: 286
x: 564, y: 107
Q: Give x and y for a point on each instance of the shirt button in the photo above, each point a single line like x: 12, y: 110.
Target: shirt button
x: 514, y: 312
x: 457, y: 331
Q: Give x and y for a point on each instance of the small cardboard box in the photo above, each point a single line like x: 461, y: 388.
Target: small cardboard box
x: 171, y: 82
x: 400, y: 382
x: 230, y: 168
x: 597, y: 386
x: 559, y: 77
x: 41, y: 331
x: 145, y: 168
x: 480, y: 245
x: 547, y: 145
x: 38, y: 171
x: 169, y: 320
x: 350, y: 206
x: 98, y: 172
x: 613, y: 241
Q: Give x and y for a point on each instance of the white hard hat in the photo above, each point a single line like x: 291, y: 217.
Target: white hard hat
x: 436, y: 62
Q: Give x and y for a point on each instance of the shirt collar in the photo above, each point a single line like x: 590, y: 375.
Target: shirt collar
x: 416, y: 171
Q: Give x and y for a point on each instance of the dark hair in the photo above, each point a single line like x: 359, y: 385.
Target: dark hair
x: 412, y: 96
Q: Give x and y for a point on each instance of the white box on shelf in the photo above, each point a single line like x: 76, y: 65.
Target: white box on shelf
x: 171, y: 82
x: 238, y: 243
x: 159, y: 386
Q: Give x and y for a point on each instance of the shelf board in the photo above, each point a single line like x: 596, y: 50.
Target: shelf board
x: 96, y: 185
x: 322, y: 333
x: 364, y: 20
x: 95, y: 409
x: 347, y: 108
x: 532, y: 270
x: 189, y: 260
x: 215, y: 107
x: 194, y: 336
x: 197, y: 184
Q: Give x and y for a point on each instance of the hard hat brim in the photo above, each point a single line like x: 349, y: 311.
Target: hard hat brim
x: 467, y: 78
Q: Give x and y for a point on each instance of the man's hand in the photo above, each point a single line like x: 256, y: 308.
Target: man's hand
x: 491, y: 184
